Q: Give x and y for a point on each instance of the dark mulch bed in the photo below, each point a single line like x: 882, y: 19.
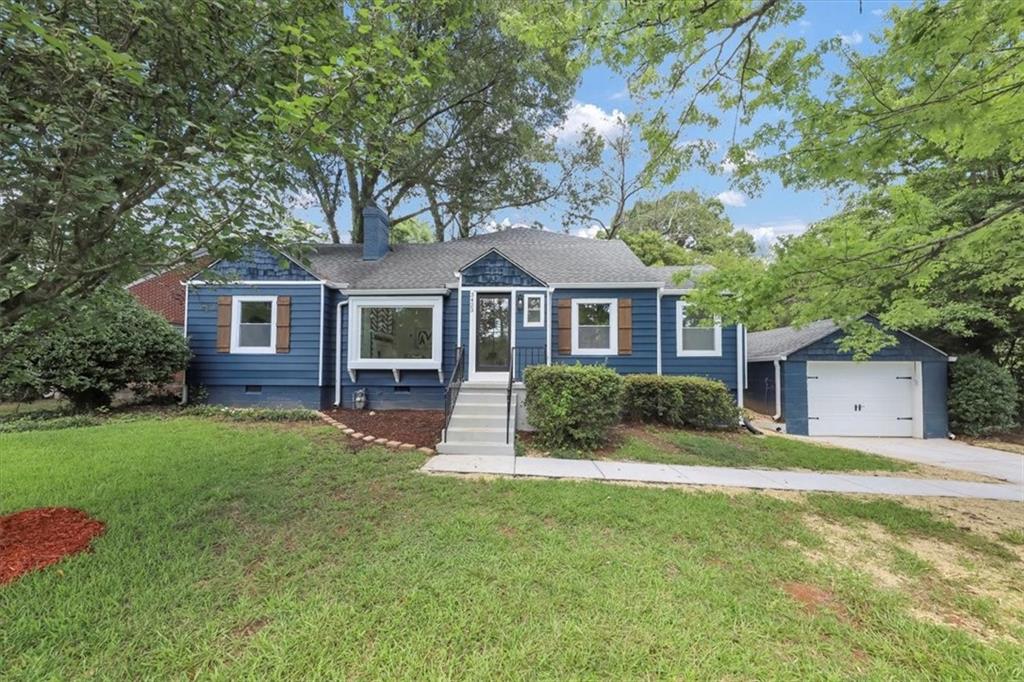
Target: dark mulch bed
x: 419, y: 427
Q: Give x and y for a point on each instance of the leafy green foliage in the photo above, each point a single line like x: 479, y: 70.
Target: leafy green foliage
x: 982, y: 397
x: 33, y: 423
x: 411, y: 231
x: 573, y: 406
x: 685, y: 218
x: 100, y: 348
x: 654, y: 249
x: 678, y: 401
x: 925, y: 135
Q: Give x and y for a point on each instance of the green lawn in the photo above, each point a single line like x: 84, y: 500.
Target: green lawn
x: 735, y: 449
x: 259, y: 550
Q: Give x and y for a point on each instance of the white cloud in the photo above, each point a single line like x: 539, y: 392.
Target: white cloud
x: 878, y: 12
x: 767, y: 233
x: 582, y: 116
x: 621, y: 94
x: 729, y: 166
x: 731, y: 197
x: 854, y: 38
x: 589, y: 232
x: 804, y: 23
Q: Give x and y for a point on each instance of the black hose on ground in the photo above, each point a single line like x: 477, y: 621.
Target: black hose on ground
x: 750, y: 427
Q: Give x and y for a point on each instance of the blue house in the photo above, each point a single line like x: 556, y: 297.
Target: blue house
x: 422, y: 326
x: 800, y: 376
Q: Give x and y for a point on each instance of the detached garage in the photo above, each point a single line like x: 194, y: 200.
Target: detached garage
x: 799, y: 376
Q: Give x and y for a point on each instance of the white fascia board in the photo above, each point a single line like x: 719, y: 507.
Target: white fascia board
x: 396, y: 292
x: 607, y: 285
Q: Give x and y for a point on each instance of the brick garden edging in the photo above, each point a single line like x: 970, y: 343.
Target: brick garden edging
x: 394, y: 444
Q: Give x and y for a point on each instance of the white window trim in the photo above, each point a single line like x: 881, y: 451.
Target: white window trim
x: 613, y: 323
x: 680, y: 316
x: 355, y: 318
x: 526, y: 310
x: 236, y: 321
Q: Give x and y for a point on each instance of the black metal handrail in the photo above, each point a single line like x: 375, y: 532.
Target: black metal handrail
x: 508, y: 396
x: 451, y: 391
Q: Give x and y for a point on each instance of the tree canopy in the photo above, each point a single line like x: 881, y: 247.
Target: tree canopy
x: 690, y: 221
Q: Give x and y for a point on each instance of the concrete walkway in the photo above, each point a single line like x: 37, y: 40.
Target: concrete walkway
x: 949, y: 454
x: 550, y: 467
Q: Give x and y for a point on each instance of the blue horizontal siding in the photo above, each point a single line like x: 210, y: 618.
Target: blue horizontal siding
x: 425, y: 390
x: 721, y: 368
x: 260, y: 265
x: 531, y: 342
x: 643, y: 359
x: 298, y: 367
x: 270, y: 396
x: 934, y: 383
x: 794, y: 396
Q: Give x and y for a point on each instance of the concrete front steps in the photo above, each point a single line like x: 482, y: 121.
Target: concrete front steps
x: 477, y: 426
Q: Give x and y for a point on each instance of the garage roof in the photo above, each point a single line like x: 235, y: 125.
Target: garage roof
x: 776, y: 344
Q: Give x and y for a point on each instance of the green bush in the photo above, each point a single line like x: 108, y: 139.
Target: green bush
x: 679, y: 401
x: 107, y: 344
x: 982, y: 397
x: 573, y: 406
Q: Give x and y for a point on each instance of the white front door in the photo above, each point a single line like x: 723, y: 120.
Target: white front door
x: 490, y: 336
x: 862, y: 399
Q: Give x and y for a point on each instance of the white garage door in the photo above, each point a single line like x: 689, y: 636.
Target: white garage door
x: 861, y: 398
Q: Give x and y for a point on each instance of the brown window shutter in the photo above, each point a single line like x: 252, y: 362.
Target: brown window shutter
x: 565, y: 326
x: 625, y: 326
x: 284, y: 323
x: 223, y: 324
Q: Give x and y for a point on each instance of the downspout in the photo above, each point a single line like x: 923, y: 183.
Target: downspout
x: 337, y: 354
x: 320, y: 341
x: 657, y: 332
x: 550, y: 324
x: 740, y: 354
x: 778, y: 390
x: 184, y: 374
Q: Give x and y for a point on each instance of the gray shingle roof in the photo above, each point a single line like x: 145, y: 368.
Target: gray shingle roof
x: 773, y: 344
x: 667, y: 273
x: 552, y: 257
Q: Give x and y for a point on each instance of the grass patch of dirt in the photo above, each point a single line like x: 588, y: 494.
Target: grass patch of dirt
x: 942, y: 582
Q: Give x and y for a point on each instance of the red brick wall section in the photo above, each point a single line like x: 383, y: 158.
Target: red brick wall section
x: 164, y: 294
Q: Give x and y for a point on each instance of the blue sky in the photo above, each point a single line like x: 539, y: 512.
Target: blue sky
x: 775, y: 211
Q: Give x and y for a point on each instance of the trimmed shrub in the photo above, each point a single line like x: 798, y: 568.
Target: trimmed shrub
x: 679, y: 401
x: 108, y: 343
x: 982, y: 397
x: 573, y: 406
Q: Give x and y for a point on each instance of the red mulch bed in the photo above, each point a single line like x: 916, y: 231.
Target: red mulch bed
x: 419, y: 427
x: 36, y: 538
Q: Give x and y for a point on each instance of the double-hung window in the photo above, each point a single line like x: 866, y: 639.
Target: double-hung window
x: 533, y: 310
x: 595, y: 326
x: 253, y: 321
x: 395, y: 333
x: 694, y: 338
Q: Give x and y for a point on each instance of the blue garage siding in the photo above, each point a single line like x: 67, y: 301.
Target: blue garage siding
x: 261, y: 265
x: 794, y: 396
x: 494, y: 270
x: 721, y: 368
x: 934, y: 367
x: 293, y: 375
x: 418, y: 389
x: 760, y: 393
x: 935, y: 376
x: 643, y: 359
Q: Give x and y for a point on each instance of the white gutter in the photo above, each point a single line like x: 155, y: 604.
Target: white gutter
x: 337, y: 355
x: 184, y: 374
x: 550, y: 327
x: 657, y: 330
x: 778, y: 390
x: 395, y: 292
x: 740, y: 352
